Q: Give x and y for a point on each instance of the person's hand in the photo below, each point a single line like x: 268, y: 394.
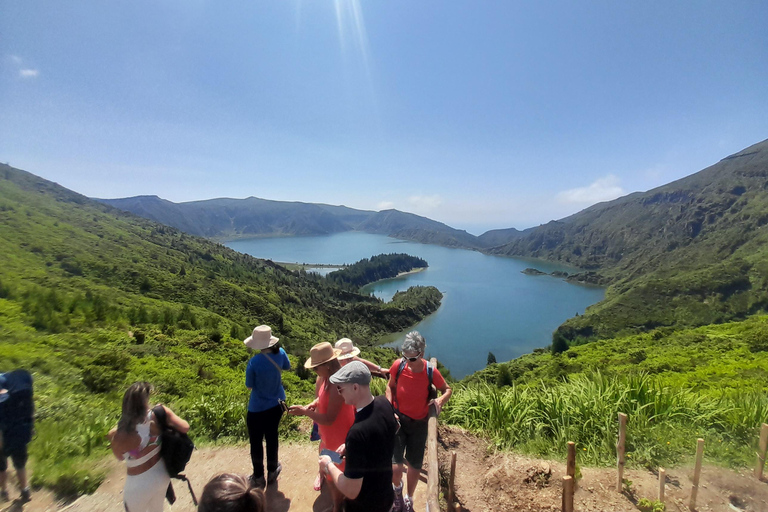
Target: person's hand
x: 297, y: 410
x: 322, y: 462
x: 438, y: 405
x: 342, y: 450
x: 312, y: 406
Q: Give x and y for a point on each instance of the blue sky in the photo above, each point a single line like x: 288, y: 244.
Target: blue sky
x: 488, y: 114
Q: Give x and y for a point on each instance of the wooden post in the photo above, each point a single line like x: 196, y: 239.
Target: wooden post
x: 762, y: 451
x: 620, y: 451
x: 571, y: 464
x: 433, y: 473
x: 697, y: 473
x: 451, y: 480
x: 567, y: 493
x: 662, y: 483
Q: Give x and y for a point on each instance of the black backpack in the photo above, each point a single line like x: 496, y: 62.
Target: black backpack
x: 176, y: 450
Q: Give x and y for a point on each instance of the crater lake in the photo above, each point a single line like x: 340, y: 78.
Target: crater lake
x: 489, y: 305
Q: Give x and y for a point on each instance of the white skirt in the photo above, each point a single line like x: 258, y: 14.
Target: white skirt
x: 146, y: 492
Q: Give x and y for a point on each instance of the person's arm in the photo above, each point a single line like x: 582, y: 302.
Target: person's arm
x: 285, y: 363
x: 349, y: 487
x: 248, y: 376
x: 178, y: 424
x: 335, y: 401
x: 444, y: 389
x: 373, y: 367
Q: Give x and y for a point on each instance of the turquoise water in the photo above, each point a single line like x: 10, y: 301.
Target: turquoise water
x: 488, y: 304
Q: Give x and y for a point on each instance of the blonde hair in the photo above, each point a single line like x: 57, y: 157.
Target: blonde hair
x: 231, y: 493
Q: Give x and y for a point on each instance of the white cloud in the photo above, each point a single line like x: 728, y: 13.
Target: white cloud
x: 385, y: 205
x: 28, y: 73
x: 602, y: 189
x: 424, y: 203
x: 16, y: 59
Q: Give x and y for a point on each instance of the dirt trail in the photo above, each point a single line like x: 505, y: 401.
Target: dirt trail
x: 293, y: 490
x: 485, y: 482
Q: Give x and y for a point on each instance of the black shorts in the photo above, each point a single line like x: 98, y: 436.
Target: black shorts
x: 18, y: 456
x: 411, y: 440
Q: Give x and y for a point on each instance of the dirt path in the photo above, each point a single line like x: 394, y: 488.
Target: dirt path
x: 485, y: 482
x: 293, y: 490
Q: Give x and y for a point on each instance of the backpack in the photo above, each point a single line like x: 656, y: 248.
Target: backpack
x: 176, y: 450
x: 432, y: 392
x: 17, y: 409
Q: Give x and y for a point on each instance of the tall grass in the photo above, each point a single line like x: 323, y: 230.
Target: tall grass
x: 663, y: 422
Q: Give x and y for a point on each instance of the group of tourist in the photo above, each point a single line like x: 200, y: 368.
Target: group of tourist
x: 366, y: 441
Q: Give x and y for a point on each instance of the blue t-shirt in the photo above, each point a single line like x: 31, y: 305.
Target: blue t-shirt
x: 265, y: 380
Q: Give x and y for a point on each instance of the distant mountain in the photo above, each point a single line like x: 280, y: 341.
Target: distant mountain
x: 687, y: 253
x: 222, y: 218
x: 496, y: 237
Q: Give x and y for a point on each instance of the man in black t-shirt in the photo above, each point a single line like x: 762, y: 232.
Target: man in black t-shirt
x: 366, y: 482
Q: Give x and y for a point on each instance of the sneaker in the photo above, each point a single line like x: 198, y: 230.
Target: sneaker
x: 26, y: 494
x: 4, y: 495
x: 258, y: 483
x: 399, y: 504
x: 272, y: 475
x: 407, y: 504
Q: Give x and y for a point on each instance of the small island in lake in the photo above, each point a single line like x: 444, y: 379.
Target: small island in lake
x: 382, y: 266
x: 536, y: 272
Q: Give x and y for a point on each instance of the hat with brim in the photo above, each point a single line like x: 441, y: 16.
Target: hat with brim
x: 261, y: 338
x: 321, y: 353
x: 348, y: 349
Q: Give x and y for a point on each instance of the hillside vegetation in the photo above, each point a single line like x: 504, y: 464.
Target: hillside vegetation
x: 370, y: 270
x: 693, y: 252
x: 675, y: 385
x: 93, y: 298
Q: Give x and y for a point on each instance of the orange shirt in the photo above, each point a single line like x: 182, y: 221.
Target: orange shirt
x: 413, y: 389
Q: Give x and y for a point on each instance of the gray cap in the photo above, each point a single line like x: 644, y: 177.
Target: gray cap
x: 352, y: 373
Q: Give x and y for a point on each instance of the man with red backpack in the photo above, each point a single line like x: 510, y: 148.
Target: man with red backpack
x: 413, y: 386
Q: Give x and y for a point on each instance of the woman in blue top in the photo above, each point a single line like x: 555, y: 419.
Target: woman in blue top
x: 264, y: 379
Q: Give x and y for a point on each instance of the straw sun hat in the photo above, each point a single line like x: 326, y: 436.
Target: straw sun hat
x: 321, y: 353
x: 348, y: 349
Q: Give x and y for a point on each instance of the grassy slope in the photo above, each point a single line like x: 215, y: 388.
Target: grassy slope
x: 675, y: 385
x: 92, y: 299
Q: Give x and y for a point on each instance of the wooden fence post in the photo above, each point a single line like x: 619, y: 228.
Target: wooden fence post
x: 567, y: 493
x: 433, y: 470
x: 571, y: 463
x: 451, y: 480
x: 762, y: 451
x: 696, y: 473
x: 662, y: 483
x: 620, y: 451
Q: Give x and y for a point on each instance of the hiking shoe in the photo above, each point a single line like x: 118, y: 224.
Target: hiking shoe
x: 257, y: 482
x: 399, y: 503
x: 26, y: 494
x: 4, y: 495
x: 272, y: 475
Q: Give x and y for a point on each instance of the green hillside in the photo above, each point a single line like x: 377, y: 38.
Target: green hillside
x: 93, y: 298
x: 690, y: 253
x: 675, y: 386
